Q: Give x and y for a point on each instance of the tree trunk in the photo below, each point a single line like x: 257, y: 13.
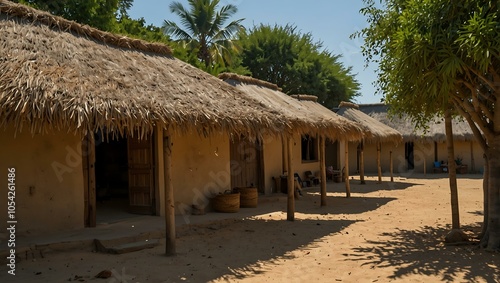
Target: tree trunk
x: 491, y: 239
x: 452, y: 171
x: 204, y: 52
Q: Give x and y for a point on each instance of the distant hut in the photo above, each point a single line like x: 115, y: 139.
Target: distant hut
x: 374, y: 132
x: 314, y: 123
x: 427, y: 148
x: 67, y: 89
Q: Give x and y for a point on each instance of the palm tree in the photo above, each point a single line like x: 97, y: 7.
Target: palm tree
x: 204, y: 31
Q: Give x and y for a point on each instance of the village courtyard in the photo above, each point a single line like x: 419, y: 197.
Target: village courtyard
x: 385, y: 232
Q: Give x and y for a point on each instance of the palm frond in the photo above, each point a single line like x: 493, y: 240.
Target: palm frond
x: 185, y: 16
x: 171, y: 28
x: 229, y: 31
x: 222, y: 16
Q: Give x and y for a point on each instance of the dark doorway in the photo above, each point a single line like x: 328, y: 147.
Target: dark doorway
x: 111, y: 178
x: 124, y: 178
x: 409, y: 155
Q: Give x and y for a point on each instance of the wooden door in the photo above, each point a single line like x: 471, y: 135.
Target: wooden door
x: 246, y: 159
x: 140, y: 176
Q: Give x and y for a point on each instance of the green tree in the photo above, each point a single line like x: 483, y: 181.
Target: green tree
x: 436, y: 53
x: 101, y: 14
x: 106, y: 15
x: 139, y: 29
x: 297, y: 64
x: 204, y: 32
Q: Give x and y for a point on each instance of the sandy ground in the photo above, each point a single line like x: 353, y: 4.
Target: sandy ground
x: 389, y: 232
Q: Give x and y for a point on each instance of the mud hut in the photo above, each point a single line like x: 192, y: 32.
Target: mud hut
x: 425, y: 149
x: 375, y: 132
x: 66, y: 90
x: 314, y: 123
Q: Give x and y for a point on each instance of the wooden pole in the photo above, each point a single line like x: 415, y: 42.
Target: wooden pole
x: 425, y: 167
x: 322, y: 167
x: 290, y: 211
x: 284, y: 154
x: 472, y: 163
x: 170, y: 246
x: 379, y: 167
x: 362, y: 163
x: 92, y: 198
x: 347, y: 185
x: 390, y: 156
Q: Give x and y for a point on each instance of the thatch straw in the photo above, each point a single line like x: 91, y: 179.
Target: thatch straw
x: 374, y: 130
x: 52, y: 77
x: 307, y: 117
x: 435, y: 132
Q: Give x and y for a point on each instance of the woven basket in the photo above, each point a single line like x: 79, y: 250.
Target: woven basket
x: 227, y: 202
x: 248, y: 196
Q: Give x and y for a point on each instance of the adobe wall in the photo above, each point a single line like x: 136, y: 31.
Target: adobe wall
x: 48, y: 181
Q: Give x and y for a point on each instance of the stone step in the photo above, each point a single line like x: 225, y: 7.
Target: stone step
x: 109, y: 246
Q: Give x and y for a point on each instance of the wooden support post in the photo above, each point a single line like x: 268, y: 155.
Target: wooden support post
x: 322, y: 168
x: 392, y: 176
x: 347, y: 185
x: 284, y: 154
x: 159, y: 170
x: 379, y: 167
x: 170, y: 246
x: 425, y: 167
x: 290, y: 211
x: 362, y: 162
x: 90, y: 182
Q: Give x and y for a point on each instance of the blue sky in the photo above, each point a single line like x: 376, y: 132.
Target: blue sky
x: 329, y: 21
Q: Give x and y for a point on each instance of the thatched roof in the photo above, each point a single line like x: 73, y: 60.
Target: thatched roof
x: 57, y: 74
x: 375, y: 131
x: 435, y: 132
x: 307, y: 116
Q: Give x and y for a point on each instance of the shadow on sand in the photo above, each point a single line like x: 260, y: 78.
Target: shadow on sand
x: 289, y: 240
x: 405, y: 250
x: 338, y: 204
x: 371, y: 186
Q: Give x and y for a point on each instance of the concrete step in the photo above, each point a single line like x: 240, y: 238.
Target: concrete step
x: 121, y: 246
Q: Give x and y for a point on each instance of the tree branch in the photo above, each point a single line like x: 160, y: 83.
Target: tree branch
x: 477, y: 133
x: 476, y: 102
x: 469, y: 111
x: 483, y: 78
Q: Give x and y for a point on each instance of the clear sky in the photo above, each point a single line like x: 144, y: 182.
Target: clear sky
x: 329, y: 21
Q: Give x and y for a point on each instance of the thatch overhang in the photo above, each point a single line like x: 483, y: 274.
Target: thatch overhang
x: 58, y: 74
x: 374, y: 130
x: 304, y: 117
x: 435, y: 132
